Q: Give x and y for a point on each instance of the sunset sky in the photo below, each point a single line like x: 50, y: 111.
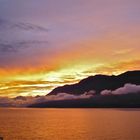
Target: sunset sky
x: 49, y: 43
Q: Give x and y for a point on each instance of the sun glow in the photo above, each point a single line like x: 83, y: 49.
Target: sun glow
x: 42, y: 81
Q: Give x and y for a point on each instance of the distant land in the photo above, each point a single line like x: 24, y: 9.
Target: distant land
x: 99, y: 83
x: 110, y: 91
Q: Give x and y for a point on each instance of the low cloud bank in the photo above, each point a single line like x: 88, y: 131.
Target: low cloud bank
x: 26, y: 101
x: 127, y: 89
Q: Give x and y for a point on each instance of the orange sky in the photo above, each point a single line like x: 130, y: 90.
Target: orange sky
x: 64, y: 43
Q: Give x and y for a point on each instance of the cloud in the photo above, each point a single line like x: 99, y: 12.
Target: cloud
x: 127, y: 89
x: 21, y: 101
x: 5, y: 24
x: 13, y: 102
x: 106, y: 92
x: 19, y: 35
x: 6, y: 46
x: 118, y: 67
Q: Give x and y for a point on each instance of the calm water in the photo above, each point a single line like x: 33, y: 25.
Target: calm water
x: 70, y: 124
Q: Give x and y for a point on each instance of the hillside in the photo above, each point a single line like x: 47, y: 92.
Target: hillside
x: 99, y: 83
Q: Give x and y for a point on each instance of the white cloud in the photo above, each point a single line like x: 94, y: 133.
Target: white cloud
x: 126, y: 89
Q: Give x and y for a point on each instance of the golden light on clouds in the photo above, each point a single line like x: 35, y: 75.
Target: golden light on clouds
x: 34, y: 84
x: 63, y: 44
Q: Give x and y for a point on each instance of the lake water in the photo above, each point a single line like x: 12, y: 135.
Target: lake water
x: 69, y: 124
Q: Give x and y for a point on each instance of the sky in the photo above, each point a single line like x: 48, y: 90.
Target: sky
x: 49, y: 43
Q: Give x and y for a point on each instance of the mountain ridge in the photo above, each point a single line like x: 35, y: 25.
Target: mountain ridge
x: 99, y: 83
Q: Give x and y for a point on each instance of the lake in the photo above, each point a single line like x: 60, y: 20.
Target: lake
x: 69, y: 124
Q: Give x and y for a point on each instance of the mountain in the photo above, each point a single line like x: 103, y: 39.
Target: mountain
x: 126, y: 93
x: 99, y: 83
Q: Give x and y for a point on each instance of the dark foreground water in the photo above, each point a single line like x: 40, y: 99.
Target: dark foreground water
x: 70, y: 124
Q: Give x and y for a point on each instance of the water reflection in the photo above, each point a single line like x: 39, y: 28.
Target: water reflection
x: 69, y: 124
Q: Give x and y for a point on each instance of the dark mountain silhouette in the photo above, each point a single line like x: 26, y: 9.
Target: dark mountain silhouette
x: 99, y: 83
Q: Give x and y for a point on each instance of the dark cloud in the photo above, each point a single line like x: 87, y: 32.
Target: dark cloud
x: 6, y: 47
x: 15, y: 35
x: 16, y: 46
x: 5, y: 24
